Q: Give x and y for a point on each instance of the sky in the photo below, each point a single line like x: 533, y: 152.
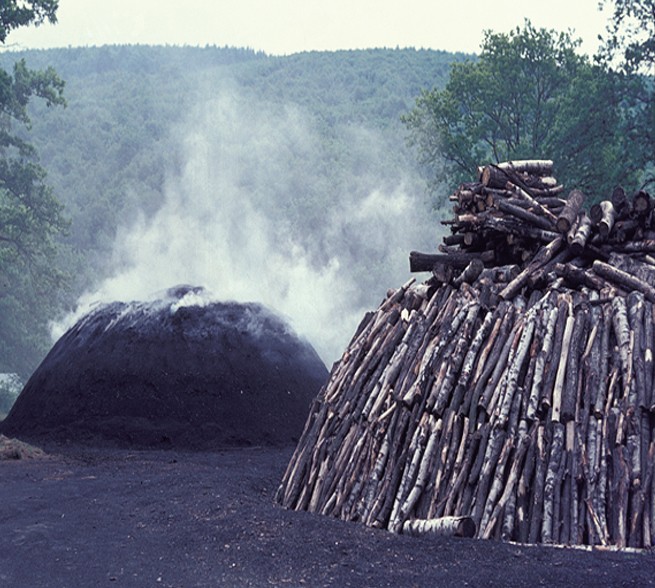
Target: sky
x: 282, y: 27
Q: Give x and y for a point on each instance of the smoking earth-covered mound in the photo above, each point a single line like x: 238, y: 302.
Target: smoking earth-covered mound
x: 179, y: 371
x: 516, y: 398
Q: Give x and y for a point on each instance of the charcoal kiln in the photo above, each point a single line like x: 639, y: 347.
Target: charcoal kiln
x: 181, y: 371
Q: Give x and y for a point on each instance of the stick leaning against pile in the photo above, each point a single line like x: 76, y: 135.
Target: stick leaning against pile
x: 509, y: 396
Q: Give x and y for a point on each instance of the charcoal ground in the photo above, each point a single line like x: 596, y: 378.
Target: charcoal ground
x: 94, y: 516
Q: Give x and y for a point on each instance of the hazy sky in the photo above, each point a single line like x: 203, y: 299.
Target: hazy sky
x: 290, y: 26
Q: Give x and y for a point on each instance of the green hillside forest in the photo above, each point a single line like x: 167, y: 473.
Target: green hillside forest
x: 283, y: 179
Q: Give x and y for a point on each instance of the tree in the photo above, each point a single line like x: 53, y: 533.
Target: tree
x: 30, y: 216
x: 631, y: 34
x: 528, y: 95
x: 629, y: 47
x: 15, y: 14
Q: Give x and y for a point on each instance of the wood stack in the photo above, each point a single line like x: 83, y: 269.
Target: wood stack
x: 510, y: 395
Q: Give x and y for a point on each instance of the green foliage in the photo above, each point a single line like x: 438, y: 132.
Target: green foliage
x: 15, y: 14
x: 10, y: 387
x: 529, y: 95
x: 629, y: 48
x: 594, y: 147
x: 631, y: 34
x: 30, y: 216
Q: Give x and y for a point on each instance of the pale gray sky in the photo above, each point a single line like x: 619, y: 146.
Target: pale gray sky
x: 290, y: 26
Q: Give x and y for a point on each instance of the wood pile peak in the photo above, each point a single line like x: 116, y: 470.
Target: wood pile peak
x: 510, y: 395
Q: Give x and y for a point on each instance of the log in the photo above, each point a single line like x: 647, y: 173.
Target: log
x: 546, y: 397
x: 448, y: 449
x: 493, y: 176
x: 492, y: 389
x: 525, y: 215
x: 642, y: 203
x: 623, y: 279
x: 490, y: 455
x: 509, y: 486
x: 441, y: 527
x: 549, y: 193
x: 572, y: 382
x: 581, y: 236
x: 424, y: 262
x: 442, y: 273
x: 515, y: 228
x: 604, y: 217
x: 569, y: 214
x: 460, y: 468
x: 550, y: 319
x: 562, y: 363
x: 542, y: 182
x: 552, y: 486
x: 496, y: 486
x: 596, y: 212
x: 534, y: 204
x: 470, y: 273
x: 421, y: 478
x: 648, y: 357
x: 490, y: 355
x: 471, y: 239
x: 636, y: 309
x: 577, y: 277
x: 624, y: 229
x: 620, y: 484
x: 545, y: 254
x: 463, y: 391
x: 536, y: 516
x: 525, y: 489
x: 455, y: 239
x: 633, y: 266
x: 538, y: 167
x: 442, y: 388
x: 515, y: 368
x: 620, y: 201
x: 553, y: 203
x: 501, y: 274
x: 592, y: 361
x: 640, y: 246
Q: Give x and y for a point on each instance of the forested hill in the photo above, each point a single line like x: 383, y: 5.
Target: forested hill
x: 110, y: 152
x: 375, y: 85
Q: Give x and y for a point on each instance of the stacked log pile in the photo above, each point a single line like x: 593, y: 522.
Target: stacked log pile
x: 510, y: 395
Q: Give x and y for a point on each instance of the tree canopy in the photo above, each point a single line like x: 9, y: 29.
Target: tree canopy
x: 15, y: 14
x: 529, y: 94
x: 631, y: 34
x: 629, y: 49
x: 30, y: 215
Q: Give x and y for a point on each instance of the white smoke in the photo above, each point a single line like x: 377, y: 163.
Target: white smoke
x: 266, y: 208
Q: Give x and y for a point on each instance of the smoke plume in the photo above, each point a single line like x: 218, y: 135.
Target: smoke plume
x: 271, y: 206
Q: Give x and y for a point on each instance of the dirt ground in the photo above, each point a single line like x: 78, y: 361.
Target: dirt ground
x: 115, y: 517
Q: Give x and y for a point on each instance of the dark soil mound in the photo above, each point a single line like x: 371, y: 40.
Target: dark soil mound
x: 178, y: 372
